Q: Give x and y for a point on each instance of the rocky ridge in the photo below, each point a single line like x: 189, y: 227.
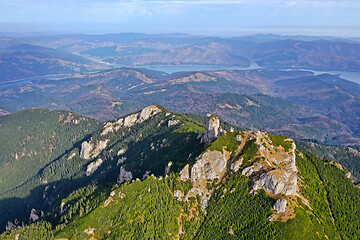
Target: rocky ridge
x: 273, y: 168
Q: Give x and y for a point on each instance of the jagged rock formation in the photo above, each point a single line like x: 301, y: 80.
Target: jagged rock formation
x: 277, y: 174
x: 213, y: 130
x: 280, y: 205
x: 209, y: 166
x: 145, y: 114
x: 91, y: 168
x: 124, y: 176
x: 173, y: 122
x: 33, y: 216
x: 91, y: 149
x: 13, y: 225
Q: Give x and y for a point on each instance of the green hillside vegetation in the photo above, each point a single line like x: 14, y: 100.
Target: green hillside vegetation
x: 97, y: 207
x: 62, y: 174
x: 349, y: 158
x: 32, y: 139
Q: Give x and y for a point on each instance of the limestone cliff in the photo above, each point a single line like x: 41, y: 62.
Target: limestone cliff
x: 213, y: 130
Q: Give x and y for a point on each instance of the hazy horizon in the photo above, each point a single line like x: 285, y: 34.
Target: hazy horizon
x: 201, y: 17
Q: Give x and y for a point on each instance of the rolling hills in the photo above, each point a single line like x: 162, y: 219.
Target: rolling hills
x: 298, y: 104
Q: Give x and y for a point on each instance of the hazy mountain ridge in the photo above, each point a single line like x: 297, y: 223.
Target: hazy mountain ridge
x: 233, y: 95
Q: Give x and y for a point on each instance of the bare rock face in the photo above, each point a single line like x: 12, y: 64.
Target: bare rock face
x: 277, y: 181
x: 252, y: 169
x: 145, y: 114
x: 148, y: 112
x: 112, y: 126
x: 213, y: 130
x: 33, y: 215
x: 124, y: 176
x: 276, y: 174
x: 209, y: 166
x: 90, y: 150
x: 280, y: 205
x: 173, y: 122
x: 185, y: 173
x: 86, y: 149
x: 130, y: 120
x: 91, y: 168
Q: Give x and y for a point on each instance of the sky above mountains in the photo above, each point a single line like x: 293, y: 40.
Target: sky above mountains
x: 210, y: 17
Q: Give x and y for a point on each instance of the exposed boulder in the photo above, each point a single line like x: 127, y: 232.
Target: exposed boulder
x: 33, y: 216
x: 91, y: 168
x: 236, y: 165
x: 168, y: 168
x: 124, y: 176
x: 121, y: 160
x: 178, y: 194
x: 280, y: 205
x: 146, y: 174
x: 213, y: 130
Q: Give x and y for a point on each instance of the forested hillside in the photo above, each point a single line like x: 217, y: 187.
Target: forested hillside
x: 157, y: 174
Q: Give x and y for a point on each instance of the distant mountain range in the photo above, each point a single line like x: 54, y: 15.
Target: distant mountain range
x: 295, y: 103
x: 23, y: 57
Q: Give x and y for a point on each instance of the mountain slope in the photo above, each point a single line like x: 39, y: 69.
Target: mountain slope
x: 242, y: 185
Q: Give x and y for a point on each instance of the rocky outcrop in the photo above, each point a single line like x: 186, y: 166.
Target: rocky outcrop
x: 131, y: 119
x: 277, y: 173
x: 209, y: 166
x: 86, y: 149
x: 110, y: 127
x: 91, y: 168
x: 124, y: 176
x: 280, y: 205
x: 277, y: 182
x: 173, y: 122
x: 168, y: 168
x: 33, y: 216
x: 90, y: 150
x: 13, y: 225
x: 148, y: 112
x: 145, y: 114
x: 213, y: 130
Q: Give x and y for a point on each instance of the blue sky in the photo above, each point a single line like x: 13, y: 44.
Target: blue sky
x: 207, y: 17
